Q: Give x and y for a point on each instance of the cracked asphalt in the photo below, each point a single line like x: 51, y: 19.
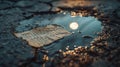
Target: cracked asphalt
x: 15, y: 51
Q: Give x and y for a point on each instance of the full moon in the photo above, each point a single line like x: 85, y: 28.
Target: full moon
x: 74, y: 25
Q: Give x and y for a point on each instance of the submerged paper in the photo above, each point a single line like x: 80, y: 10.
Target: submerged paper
x: 41, y: 36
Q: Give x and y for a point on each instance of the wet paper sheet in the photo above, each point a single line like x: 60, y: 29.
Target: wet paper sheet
x: 41, y: 36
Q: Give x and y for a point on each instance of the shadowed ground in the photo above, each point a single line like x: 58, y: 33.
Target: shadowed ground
x: 16, y: 52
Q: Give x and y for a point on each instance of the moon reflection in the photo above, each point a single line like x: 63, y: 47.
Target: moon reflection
x: 74, y: 25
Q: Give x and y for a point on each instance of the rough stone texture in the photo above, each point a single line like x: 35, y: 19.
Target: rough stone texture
x: 25, y: 3
x: 38, y: 7
x: 15, y: 51
x: 5, y: 4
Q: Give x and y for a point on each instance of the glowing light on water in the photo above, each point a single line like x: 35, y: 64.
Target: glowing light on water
x: 73, y: 14
x: 80, y: 14
x: 64, y: 12
x: 74, y: 25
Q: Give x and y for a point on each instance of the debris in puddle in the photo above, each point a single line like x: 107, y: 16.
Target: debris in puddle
x: 87, y: 36
x: 79, y: 31
x: 43, y: 36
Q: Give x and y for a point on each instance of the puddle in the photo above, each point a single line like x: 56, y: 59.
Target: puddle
x: 83, y: 31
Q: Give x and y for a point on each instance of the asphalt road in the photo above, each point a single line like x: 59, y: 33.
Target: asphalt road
x: 18, y: 16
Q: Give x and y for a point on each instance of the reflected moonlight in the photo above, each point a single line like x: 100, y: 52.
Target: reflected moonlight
x: 74, y: 25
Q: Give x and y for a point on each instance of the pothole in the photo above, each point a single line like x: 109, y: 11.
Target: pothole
x: 83, y: 29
